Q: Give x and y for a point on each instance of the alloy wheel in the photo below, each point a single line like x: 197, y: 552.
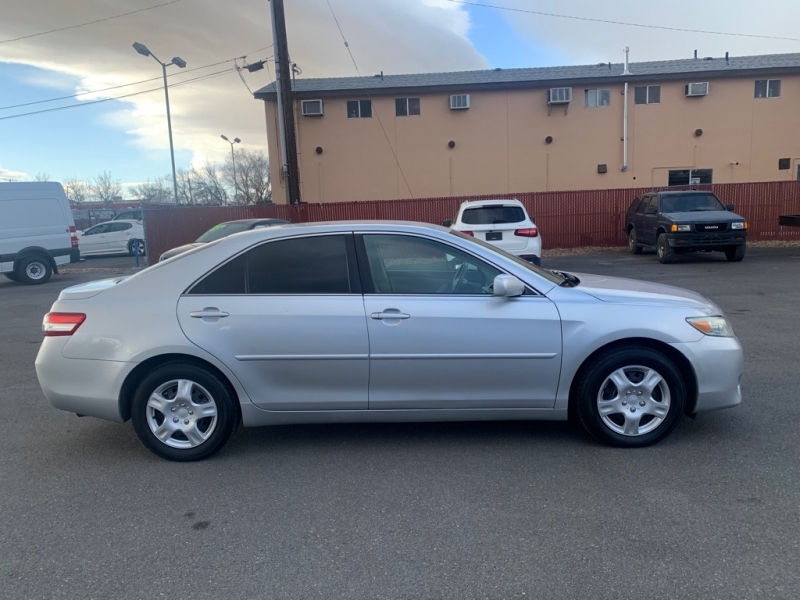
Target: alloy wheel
x: 633, y: 400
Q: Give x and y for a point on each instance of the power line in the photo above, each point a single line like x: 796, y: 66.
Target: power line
x: 116, y: 87
x: 374, y: 108
x: 608, y: 22
x: 133, y: 12
x: 90, y: 102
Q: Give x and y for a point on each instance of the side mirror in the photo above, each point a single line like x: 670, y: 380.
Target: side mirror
x: 508, y: 286
x: 650, y: 210
x: 447, y: 223
x: 729, y: 207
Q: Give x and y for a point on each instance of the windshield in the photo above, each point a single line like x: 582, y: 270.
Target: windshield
x: 491, y: 215
x: 690, y: 202
x: 550, y: 276
x: 223, y: 230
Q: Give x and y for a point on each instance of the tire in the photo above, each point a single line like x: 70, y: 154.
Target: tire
x: 617, y: 423
x: 12, y: 276
x: 34, y: 270
x: 735, y: 253
x: 141, y: 247
x: 665, y: 253
x: 193, y: 410
x: 632, y: 245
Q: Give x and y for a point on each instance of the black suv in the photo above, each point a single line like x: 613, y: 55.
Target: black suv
x: 687, y: 221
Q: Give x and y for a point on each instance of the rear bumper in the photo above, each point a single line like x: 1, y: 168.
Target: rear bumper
x: 532, y: 258
x: 718, y: 364
x: 705, y: 241
x: 64, y: 381
x: 75, y: 255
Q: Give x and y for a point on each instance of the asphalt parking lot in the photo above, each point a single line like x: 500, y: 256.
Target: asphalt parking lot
x: 463, y: 510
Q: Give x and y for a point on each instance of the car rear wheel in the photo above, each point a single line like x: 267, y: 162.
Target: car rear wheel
x: 630, y: 397
x: 665, y: 253
x: 735, y: 253
x: 34, y: 270
x: 632, y: 245
x: 136, y: 245
x: 182, y: 412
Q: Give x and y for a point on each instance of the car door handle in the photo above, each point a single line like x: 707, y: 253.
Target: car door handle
x: 389, y: 314
x: 208, y: 313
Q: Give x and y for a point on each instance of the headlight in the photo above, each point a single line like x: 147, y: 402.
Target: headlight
x: 675, y: 228
x: 739, y: 225
x: 715, y: 326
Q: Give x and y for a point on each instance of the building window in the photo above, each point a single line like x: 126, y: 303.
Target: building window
x: 359, y: 109
x: 598, y: 97
x: 690, y: 177
x: 647, y: 94
x: 768, y: 88
x: 405, y: 107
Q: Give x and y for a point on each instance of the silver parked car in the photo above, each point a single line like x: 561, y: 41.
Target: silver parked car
x: 384, y: 321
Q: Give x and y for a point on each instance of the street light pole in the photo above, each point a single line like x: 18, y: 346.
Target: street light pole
x: 180, y: 63
x: 233, y: 162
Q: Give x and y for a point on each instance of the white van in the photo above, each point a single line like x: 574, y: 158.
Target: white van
x: 37, y: 232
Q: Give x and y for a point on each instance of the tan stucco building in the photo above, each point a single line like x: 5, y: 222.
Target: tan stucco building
x: 712, y: 120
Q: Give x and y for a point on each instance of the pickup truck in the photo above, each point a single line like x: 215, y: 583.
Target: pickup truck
x: 685, y: 221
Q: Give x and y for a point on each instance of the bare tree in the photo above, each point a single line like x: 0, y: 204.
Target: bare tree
x: 105, y: 188
x: 252, y: 182
x: 153, y: 191
x: 77, y: 191
x: 42, y: 176
x: 208, y: 186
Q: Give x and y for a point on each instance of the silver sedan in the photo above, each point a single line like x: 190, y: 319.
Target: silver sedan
x: 384, y: 321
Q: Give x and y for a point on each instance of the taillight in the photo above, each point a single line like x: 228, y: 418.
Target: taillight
x: 56, y: 324
x: 73, y: 235
x: 528, y: 232
x: 472, y: 233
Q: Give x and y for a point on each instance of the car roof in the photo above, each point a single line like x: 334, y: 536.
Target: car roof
x: 254, y: 221
x: 134, y: 221
x: 492, y: 202
x: 684, y: 192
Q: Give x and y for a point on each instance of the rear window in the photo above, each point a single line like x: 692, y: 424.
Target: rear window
x: 223, y: 230
x: 491, y: 215
x: 691, y: 202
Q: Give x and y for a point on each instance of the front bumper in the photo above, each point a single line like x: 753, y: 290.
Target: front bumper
x: 707, y: 241
x: 718, y: 364
x: 82, y: 386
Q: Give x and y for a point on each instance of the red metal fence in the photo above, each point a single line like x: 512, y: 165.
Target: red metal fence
x: 566, y: 219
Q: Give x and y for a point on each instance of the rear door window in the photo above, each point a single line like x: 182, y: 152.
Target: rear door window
x: 301, y: 266
x: 493, y: 215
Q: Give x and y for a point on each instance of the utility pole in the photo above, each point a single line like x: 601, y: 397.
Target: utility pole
x: 283, y: 85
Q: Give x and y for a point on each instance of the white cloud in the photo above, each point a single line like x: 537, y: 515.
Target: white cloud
x: 9, y: 175
x: 395, y: 36
x: 588, y: 42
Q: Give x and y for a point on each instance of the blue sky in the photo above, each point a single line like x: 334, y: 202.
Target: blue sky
x: 75, y: 142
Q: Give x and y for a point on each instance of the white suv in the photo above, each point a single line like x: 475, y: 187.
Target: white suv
x: 502, y: 223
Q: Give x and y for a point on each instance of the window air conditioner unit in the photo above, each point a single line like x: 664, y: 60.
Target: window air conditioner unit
x: 312, y: 108
x: 459, y: 101
x: 559, y: 95
x: 697, y: 89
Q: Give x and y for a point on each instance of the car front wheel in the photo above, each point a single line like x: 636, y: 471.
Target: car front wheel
x: 665, y: 252
x: 630, y: 397
x: 183, y: 412
x: 735, y: 253
x: 135, y: 246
